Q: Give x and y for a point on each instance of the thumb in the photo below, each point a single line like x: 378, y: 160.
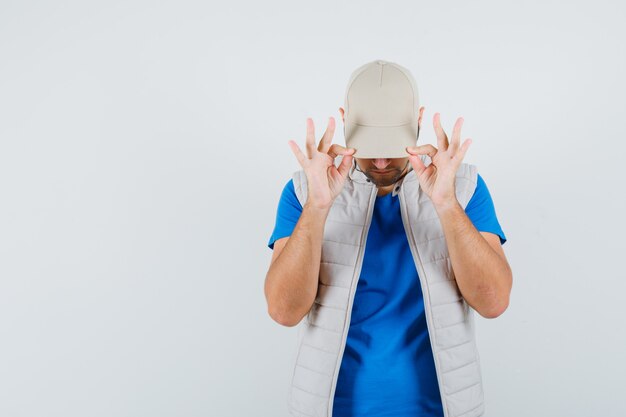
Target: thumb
x: 418, y: 164
x: 344, y: 166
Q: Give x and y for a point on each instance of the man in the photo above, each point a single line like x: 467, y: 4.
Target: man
x: 385, y: 258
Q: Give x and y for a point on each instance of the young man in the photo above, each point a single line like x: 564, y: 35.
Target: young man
x: 384, y: 256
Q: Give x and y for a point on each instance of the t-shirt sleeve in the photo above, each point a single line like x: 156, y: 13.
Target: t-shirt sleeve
x: 481, y: 211
x: 287, y: 215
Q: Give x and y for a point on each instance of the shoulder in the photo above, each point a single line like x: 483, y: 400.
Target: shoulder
x: 481, y: 210
x: 289, y: 187
x: 298, y: 178
x: 289, y: 194
x: 481, y: 192
x: 299, y: 183
x: 467, y: 171
x: 466, y: 182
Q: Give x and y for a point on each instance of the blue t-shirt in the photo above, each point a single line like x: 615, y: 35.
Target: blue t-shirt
x: 388, y: 368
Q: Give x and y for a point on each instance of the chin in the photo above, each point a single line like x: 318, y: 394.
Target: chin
x: 382, y: 182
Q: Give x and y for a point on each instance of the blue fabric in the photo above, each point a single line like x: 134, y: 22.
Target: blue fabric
x: 388, y: 368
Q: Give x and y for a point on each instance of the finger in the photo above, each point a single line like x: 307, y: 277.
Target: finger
x: 297, y: 152
x: 310, y: 137
x: 337, y: 149
x: 460, y: 154
x: 327, y: 139
x: 344, y: 166
x: 427, y: 149
x: 417, y: 163
x: 456, y: 136
x: 442, y: 138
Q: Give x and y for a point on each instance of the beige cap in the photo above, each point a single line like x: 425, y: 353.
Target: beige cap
x: 381, y: 111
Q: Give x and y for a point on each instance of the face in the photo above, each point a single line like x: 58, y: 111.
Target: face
x: 383, y: 171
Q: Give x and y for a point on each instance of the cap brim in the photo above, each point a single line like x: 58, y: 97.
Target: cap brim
x: 380, y: 142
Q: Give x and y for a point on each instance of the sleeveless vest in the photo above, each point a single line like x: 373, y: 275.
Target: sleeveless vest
x: 322, y: 334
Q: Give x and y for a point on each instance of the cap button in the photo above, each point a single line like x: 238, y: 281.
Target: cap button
x: 381, y: 62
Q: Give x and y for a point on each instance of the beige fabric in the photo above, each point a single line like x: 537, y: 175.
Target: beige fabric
x: 322, y: 333
x: 381, y: 110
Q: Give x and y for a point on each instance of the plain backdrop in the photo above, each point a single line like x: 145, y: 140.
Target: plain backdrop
x: 144, y: 148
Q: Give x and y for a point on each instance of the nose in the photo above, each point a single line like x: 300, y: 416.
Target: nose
x: 381, y: 163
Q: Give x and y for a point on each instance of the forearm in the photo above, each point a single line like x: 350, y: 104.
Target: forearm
x: 292, y: 279
x: 482, y: 275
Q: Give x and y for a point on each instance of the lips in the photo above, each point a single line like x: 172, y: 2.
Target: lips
x: 381, y: 172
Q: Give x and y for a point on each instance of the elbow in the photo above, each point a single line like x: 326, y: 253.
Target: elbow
x: 495, y: 311
x: 283, y: 319
x: 497, y: 307
x: 494, y: 303
x: 288, y: 316
x: 280, y: 315
x: 284, y: 310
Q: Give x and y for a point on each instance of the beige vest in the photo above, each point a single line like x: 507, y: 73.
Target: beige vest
x: 322, y: 334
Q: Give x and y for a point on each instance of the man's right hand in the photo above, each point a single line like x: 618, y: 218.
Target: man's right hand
x: 324, y: 180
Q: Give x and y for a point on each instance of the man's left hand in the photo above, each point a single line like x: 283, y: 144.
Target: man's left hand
x: 438, y: 179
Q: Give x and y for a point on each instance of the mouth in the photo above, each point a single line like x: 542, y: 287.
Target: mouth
x: 381, y: 172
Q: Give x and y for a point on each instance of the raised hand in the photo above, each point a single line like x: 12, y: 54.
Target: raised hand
x: 438, y: 179
x: 324, y: 180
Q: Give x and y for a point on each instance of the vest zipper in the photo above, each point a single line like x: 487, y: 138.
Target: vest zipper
x: 425, y: 293
x: 357, y: 272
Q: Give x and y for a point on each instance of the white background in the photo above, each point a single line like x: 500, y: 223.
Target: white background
x: 144, y: 148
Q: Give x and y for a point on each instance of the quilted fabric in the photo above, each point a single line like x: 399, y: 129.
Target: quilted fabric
x: 322, y: 334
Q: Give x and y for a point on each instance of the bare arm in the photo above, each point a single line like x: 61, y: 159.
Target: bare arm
x: 481, y: 269
x: 482, y: 272
x: 292, y: 280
